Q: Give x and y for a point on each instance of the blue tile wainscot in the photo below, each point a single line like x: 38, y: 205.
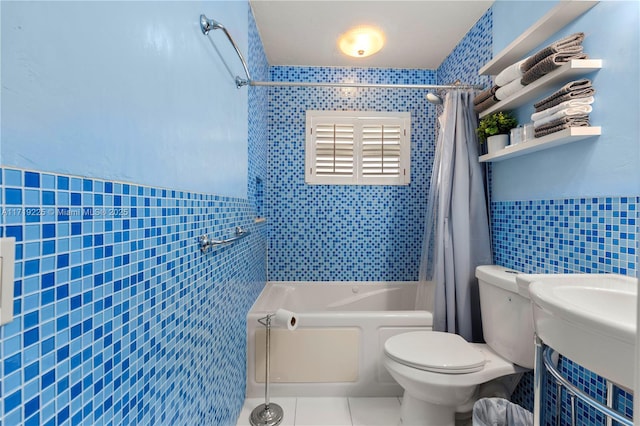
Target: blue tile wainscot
x: 119, y: 319
x: 574, y: 235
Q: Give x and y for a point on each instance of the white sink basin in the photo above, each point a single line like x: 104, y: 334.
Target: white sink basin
x: 589, y: 318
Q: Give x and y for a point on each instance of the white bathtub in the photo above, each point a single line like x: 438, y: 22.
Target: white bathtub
x: 337, y: 348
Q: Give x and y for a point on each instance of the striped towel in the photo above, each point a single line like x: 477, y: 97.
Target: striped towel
x: 486, y: 104
x: 484, y: 95
x: 561, y: 124
x: 549, y: 64
x: 567, y: 104
x: 567, y: 112
x: 569, y: 44
x: 572, y: 90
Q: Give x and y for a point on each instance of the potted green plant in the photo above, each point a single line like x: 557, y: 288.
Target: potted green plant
x: 494, y: 128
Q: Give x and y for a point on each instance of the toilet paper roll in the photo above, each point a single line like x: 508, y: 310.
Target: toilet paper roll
x: 284, y: 318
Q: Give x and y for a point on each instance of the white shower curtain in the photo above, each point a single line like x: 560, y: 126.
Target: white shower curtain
x: 457, y: 229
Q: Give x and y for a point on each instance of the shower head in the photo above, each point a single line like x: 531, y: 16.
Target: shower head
x: 207, y: 25
x: 434, y: 99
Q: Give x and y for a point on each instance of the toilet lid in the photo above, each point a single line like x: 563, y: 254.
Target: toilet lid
x: 435, y: 351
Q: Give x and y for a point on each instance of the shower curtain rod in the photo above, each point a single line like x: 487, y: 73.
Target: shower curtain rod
x: 364, y: 85
x: 207, y: 25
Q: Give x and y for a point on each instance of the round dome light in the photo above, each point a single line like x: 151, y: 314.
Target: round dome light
x: 361, y: 41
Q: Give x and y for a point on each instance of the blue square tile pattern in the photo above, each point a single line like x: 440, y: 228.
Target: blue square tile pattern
x: 258, y: 99
x: 580, y: 235
x: 115, y: 297
x: 32, y: 180
x: 344, y: 232
x: 365, y: 233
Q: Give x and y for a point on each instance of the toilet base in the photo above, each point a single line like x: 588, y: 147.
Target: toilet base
x: 415, y: 412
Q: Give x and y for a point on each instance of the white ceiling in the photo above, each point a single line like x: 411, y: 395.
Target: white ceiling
x: 419, y: 34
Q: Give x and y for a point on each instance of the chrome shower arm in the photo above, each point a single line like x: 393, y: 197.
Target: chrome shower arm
x: 207, y: 25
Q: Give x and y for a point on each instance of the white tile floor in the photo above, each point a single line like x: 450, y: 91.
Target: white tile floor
x: 330, y: 411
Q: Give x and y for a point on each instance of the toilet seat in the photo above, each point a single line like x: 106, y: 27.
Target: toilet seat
x: 435, y: 351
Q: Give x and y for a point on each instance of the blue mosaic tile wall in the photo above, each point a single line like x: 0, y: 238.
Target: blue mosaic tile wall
x: 583, y: 235
x: 341, y: 233
x: 258, y: 99
x: 119, y: 319
x: 471, y: 54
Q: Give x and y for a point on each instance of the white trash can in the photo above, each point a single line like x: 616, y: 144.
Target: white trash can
x: 500, y: 412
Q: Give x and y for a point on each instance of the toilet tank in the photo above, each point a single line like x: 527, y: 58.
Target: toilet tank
x: 507, y: 319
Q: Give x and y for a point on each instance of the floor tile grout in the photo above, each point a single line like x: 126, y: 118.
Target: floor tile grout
x: 354, y: 407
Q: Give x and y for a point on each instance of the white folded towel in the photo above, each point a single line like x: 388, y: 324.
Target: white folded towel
x: 567, y: 104
x: 567, y: 112
x: 504, y: 92
x: 510, y: 73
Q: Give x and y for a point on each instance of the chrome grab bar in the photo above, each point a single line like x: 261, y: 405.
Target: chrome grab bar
x: 574, y: 392
x: 206, y: 243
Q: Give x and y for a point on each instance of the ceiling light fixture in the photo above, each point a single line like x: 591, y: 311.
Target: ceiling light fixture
x: 361, y: 41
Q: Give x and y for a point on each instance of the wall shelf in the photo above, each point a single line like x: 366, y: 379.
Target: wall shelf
x: 562, y: 137
x: 556, y: 19
x: 572, y: 69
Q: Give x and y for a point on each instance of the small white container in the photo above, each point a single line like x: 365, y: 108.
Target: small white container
x: 527, y: 132
x: 497, y: 142
x: 516, y: 135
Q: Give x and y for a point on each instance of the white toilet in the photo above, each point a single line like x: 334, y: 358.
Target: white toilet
x: 441, y: 373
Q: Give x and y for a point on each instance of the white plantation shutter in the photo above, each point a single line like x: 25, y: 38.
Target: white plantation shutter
x: 362, y: 148
x: 381, y: 150
x: 334, y: 147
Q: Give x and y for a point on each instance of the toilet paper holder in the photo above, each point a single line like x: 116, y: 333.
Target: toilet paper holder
x: 270, y: 414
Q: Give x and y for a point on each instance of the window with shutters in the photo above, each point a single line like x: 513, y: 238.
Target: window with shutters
x: 358, y: 148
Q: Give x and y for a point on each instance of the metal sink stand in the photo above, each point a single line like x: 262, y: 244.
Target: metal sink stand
x: 546, y: 360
